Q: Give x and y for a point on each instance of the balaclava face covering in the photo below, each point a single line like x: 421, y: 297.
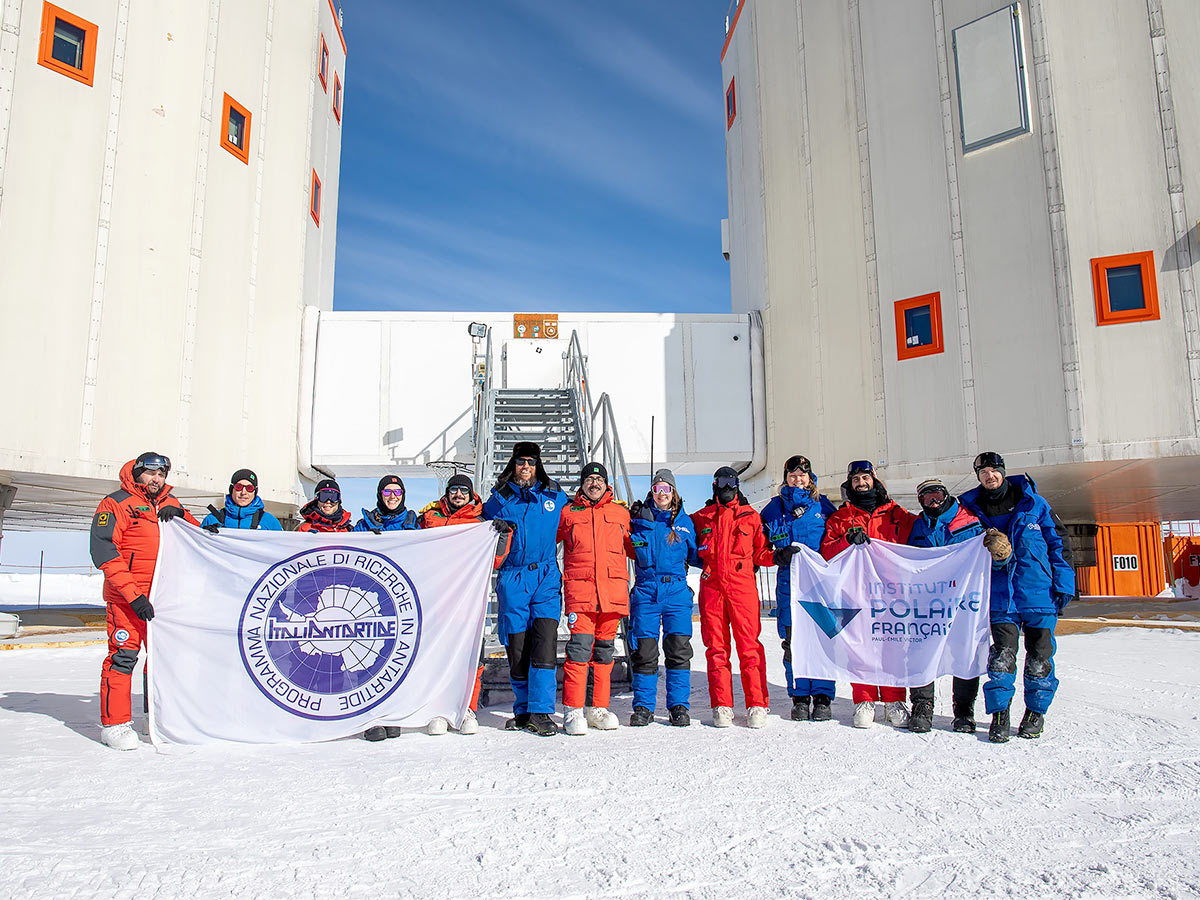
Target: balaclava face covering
x: 729, y: 493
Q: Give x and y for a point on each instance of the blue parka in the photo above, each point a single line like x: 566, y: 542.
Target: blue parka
x: 653, y: 556
x: 534, y: 512
x: 793, y: 517
x: 243, y: 516
x: 1036, y: 579
x: 401, y: 520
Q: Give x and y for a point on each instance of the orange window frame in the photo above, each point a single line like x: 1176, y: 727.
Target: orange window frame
x: 323, y: 65
x: 934, y: 302
x: 242, y: 153
x: 85, y: 74
x: 337, y: 97
x: 1105, y: 314
x: 730, y: 104
x: 314, y: 198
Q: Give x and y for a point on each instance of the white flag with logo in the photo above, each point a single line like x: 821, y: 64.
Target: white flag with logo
x: 269, y: 637
x: 889, y: 614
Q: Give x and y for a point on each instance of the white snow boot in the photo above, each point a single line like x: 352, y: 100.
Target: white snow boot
x: 470, y: 724
x: 574, y: 721
x: 756, y: 717
x: 864, y: 714
x: 601, y: 719
x: 120, y: 737
x: 896, y: 714
x: 437, y: 725
x: 722, y: 716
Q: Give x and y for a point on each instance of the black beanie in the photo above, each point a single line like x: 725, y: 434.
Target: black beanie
x: 326, y: 484
x: 243, y: 475
x: 388, y: 481
x: 593, y: 468
x: 460, y: 480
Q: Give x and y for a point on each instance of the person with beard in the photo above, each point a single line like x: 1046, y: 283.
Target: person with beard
x: 390, y: 513
x: 460, y: 505
x: 124, y: 546
x: 867, y: 513
x: 943, y: 521
x: 797, y: 516
x: 1030, y: 587
x: 529, y: 584
x: 243, y: 507
x: 730, y: 546
x: 594, y: 530
x: 662, y: 542
x: 324, y: 512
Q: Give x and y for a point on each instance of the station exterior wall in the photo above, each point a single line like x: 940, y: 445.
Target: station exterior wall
x: 849, y: 190
x: 153, y: 282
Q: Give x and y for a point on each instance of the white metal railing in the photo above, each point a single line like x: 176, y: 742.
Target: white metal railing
x: 596, y: 422
x: 485, y: 409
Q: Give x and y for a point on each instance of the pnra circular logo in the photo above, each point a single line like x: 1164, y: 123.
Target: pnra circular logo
x: 548, y: 505
x: 331, y: 632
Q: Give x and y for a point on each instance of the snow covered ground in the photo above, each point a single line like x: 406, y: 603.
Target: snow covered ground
x: 1107, y: 803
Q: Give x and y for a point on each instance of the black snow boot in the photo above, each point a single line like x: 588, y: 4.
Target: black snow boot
x: 541, y: 724
x: 1031, y: 725
x: 999, y: 732
x: 517, y: 722
x: 921, y: 719
x: 800, y: 709
x: 964, y: 719
x: 393, y: 731
x: 641, y: 716
x: 822, y: 710
x: 679, y: 716
x: 375, y: 733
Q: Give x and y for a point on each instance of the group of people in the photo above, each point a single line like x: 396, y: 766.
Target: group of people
x: 727, y: 539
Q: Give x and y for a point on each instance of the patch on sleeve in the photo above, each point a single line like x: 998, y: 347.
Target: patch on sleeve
x: 102, y: 520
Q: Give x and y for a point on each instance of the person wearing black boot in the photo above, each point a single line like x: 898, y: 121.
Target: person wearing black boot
x: 943, y: 522
x: 1031, y: 584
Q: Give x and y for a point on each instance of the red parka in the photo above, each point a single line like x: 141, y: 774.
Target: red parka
x: 595, y: 567
x: 314, y: 521
x: 439, y: 513
x: 124, y: 537
x: 887, y: 522
x: 730, y: 543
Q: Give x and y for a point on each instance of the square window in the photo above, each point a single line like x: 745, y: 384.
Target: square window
x: 314, y: 199
x: 730, y: 105
x: 235, y: 134
x: 323, y: 65
x: 1125, y: 288
x: 68, y: 44
x: 993, y: 96
x: 337, y: 97
x: 919, y: 326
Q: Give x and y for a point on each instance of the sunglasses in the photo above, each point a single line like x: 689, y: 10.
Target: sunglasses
x: 726, y: 481
x: 450, y: 492
x: 245, y: 487
x: 662, y: 488
x: 328, y: 496
x: 525, y: 461
x: 392, y: 492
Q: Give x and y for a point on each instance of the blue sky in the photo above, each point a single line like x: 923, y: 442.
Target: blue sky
x: 526, y: 155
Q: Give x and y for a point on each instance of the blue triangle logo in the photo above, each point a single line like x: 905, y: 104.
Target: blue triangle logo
x: 830, y: 621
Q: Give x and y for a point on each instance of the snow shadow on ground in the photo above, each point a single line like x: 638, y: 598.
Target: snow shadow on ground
x: 80, y: 713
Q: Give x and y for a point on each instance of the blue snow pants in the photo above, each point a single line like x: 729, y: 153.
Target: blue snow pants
x: 1039, y: 680
x: 530, y: 606
x: 661, y: 606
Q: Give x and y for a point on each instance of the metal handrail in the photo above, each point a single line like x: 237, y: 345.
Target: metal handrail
x: 485, y: 409
x: 599, y: 440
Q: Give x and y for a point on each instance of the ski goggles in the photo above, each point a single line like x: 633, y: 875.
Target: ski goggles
x: 988, y: 460
x: 155, y: 463
x: 726, y: 481
x: 932, y: 496
x: 329, y: 495
x: 524, y: 461
x: 859, y: 466
x: 244, y: 486
x: 662, y: 488
x: 392, y: 492
x: 798, y: 464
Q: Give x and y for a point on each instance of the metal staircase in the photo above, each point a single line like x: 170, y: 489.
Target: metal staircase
x: 550, y: 419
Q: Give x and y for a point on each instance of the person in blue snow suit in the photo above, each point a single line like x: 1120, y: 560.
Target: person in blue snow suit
x: 243, y: 507
x: 1029, y: 590
x: 390, y: 513
x: 797, y: 516
x: 943, y: 521
x: 529, y: 585
x: 662, y: 541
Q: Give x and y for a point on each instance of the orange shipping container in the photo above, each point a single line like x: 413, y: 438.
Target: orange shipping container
x: 1129, y: 562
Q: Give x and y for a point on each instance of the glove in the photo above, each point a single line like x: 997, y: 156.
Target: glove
x: 997, y: 544
x: 635, y: 508
x: 783, y: 555
x: 502, y: 526
x: 211, y: 527
x: 1061, y: 600
x: 141, y: 606
x: 857, y: 536
x: 167, y: 513
x: 376, y: 531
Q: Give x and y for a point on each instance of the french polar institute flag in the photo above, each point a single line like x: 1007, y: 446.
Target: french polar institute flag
x: 279, y: 637
x: 889, y: 614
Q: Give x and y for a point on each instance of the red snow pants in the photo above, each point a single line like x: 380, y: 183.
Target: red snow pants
x: 732, y: 609
x: 865, y: 692
x: 126, y: 636
x: 591, y: 644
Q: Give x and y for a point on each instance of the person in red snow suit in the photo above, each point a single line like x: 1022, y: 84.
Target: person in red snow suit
x: 730, y: 544
x: 324, y: 512
x: 124, y: 546
x: 460, y: 505
x: 868, y: 513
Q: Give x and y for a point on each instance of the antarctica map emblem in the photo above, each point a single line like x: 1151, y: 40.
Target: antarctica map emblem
x: 331, y: 632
